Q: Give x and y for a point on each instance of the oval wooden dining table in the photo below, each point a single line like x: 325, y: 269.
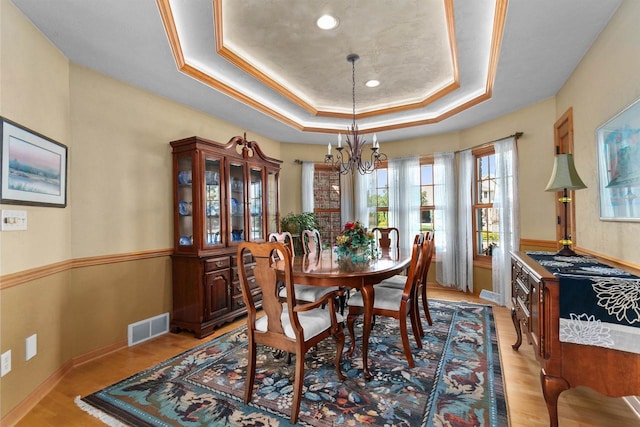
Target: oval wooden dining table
x: 325, y: 270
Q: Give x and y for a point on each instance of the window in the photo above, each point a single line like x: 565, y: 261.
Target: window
x: 379, y: 199
x: 326, y: 201
x: 427, y: 204
x: 485, y: 217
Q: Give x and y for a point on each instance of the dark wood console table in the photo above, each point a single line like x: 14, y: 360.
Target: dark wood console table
x: 536, y: 312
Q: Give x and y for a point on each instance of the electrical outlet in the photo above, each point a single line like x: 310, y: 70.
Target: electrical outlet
x: 31, y: 346
x: 5, y: 364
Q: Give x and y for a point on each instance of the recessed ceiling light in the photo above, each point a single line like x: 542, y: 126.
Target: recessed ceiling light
x: 327, y: 22
x: 372, y: 83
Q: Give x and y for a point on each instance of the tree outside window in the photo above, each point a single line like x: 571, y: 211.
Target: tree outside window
x: 427, y: 204
x: 379, y: 198
x: 485, y: 219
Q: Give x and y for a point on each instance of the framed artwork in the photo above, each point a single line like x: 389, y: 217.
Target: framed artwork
x: 618, y: 142
x: 34, y: 168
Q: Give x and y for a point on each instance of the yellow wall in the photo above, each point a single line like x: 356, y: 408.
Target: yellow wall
x: 34, y: 92
x: 604, y: 83
x: 122, y: 165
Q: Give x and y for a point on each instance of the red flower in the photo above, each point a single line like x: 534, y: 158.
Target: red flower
x: 350, y: 226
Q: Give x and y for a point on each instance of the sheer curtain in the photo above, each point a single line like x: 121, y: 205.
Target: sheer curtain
x: 506, y: 203
x: 464, y: 255
x: 444, y: 189
x: 308, y: 169
x: 346, y: 198
x: 363, y: 185
x: 404, y: 198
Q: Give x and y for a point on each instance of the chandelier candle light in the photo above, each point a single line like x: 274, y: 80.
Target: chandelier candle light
x: 349, y: 159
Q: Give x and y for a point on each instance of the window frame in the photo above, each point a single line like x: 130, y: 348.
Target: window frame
x: 477, y: 153
x: 378, y: 209
x: 427, y: 160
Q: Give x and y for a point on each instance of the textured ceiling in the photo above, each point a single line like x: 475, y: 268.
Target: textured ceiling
x: 444, y: 65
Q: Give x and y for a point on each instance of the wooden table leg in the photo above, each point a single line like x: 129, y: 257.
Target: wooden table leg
x: 516, y: 324
x: 367, y: 298
x: 551, y: 389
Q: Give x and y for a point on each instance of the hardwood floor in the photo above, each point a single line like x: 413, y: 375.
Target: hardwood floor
x: 577, y: 407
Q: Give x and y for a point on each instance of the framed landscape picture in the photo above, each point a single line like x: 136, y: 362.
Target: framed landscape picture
x: 34, y: 168
x: 618, y: 142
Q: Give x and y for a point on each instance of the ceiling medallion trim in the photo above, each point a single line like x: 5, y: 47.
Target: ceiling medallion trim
x: 248, y: 68
x: 497, y: 33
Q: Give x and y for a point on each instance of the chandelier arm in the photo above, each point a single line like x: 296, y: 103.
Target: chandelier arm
x: 349, y: 158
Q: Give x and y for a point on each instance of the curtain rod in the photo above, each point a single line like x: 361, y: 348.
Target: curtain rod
x: 516, y: 135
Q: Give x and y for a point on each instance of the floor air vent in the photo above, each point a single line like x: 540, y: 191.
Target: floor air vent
x: 148, y: 328
x: 491, y: 296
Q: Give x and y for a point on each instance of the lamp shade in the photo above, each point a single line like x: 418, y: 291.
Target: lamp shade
x: 564, y: 175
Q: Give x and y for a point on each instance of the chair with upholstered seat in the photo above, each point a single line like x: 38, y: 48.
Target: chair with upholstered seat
x: 312, y: 247
x: 306, y: 293
x: 286, y: 326
x: 398, y: 281
x: 395, y: 303
x: 422, y: 285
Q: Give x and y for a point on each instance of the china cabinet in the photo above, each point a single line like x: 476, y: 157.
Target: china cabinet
x: 224, y: 194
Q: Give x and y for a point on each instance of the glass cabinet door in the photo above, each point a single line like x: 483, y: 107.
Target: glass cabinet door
x: 236, y: 202
x: 256, y: 218
x: 212, y: 199
x: 272, y: 201
x: 184, y: 201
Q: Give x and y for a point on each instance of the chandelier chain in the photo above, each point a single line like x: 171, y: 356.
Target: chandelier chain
x: 349, y: 159
x: 353, y: 90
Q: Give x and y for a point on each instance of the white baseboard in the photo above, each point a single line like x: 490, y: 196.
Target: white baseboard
x: 634, y: 403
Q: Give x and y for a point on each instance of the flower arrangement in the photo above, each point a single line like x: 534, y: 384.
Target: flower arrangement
x: 355, y: 243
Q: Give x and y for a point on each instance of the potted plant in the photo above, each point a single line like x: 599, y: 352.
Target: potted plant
x: 295, y: 223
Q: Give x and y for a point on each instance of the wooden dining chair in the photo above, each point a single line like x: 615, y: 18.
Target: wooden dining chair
x: 286, y: 326
x: 386, y: 238
x: 312, y: 247
x: 311, y: 242
x: 398, y: 281
x: 307, y: 293
x: 395, y: 303
x: 284, y: 237
x: 422, y: 285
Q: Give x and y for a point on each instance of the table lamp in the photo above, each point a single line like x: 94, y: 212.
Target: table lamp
x: 565, y: 178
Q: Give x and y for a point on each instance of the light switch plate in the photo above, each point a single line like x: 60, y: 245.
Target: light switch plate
x: 31, y: 346
x: 13, y: 220
x: 5, y: 365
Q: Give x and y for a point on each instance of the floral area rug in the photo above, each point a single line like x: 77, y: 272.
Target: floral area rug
x: 457, y: 381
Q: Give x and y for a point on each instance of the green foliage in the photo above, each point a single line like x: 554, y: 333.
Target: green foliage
x: 295, y: 223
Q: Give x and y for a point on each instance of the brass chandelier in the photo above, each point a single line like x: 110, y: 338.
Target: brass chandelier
x: 349, y: 159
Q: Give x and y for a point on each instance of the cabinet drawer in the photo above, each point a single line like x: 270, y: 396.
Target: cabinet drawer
x: 248, y: 259
x: 248, y: 268
x: 238, y: 302
x: 237, y: 288
x: 212, y: 264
